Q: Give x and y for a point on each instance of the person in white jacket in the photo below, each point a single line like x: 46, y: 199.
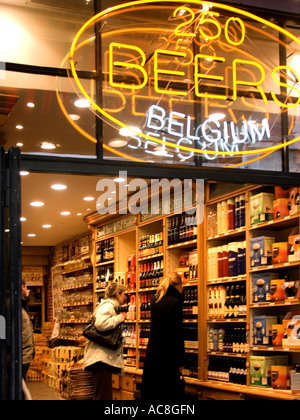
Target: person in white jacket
x: 103, y: 362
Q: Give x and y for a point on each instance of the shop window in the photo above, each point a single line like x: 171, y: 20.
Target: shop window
x: 41, y: 35
x: 39, y: 115
x: 293, y: 60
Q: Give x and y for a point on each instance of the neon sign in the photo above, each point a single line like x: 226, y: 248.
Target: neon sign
x: 226, y: 137
x: 191, y: 56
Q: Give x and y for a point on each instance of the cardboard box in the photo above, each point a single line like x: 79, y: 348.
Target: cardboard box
x: 277, y: 335
x: 261, y: 286
x: 261, y: 208
x: 294, y: 248
x: 280, y: 376
x: 277, y: 290
x: 282, y: 192
x: 281, y: 208
x: 280, y: 252
x: 294, y: 200
x: 260, y: 370
x: 262, y: 329
x: 261, y: 251
x: 291, y: 323
x: 292, y: 290
x: 295, y: 381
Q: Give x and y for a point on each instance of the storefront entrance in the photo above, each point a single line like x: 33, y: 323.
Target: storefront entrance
x: 151, y: 90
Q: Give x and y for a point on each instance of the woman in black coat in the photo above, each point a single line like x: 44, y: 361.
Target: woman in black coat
x: 165, y: 353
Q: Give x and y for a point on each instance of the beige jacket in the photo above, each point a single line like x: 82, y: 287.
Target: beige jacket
x: 105, y: 319
x: 28, y: 346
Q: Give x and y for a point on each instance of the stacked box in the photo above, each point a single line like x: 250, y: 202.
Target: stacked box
x: 261, y: 286
x: 261, y: 368
x: 261, y: 208
x: 261, y: 251
x: 294, y: 200
x: 263, y: 329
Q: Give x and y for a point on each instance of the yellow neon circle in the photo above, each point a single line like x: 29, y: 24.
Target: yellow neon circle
x: 154, y: 139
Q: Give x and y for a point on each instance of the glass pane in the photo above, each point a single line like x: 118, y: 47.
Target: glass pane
x: 38, y: 114
x: 293, y: 60
x: 41, y: 32
x: 186, y: 83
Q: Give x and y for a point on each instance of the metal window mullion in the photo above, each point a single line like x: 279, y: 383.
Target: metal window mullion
x: 2, y: 278
x: 14, y: 274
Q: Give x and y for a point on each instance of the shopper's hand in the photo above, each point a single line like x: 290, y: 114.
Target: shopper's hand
x: 122, y: 317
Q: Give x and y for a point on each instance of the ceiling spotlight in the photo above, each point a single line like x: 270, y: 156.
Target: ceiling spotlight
x: 24, y: 173
x: 47, y: 145
x: 119, y: 180
x: 47, y: 226
x: 19, y: 127
x: 74, y: 117
x: 217, y: 116
x: 31, y: 235
x: 82, y: 103
x: 58, y: 187
x: 30, y: 105
x: 37, y: 204
x: 129, y: 131
x: 19, y: 144
x: 65, y: 213
x: 117, y: 143
x: 89, y: 198
x: 23, y: 219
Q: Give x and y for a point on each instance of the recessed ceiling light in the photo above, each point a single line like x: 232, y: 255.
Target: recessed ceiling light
x: 117, y: 143
x: 119, y: 179
x: 31, y: 235
x: 47, y: 226
x: 74, y: 117
x: 30, y: 105
x: 23, y: 219
x: 79, y: 214
x: 129, y: 131
x: 19, y: 127
x: 19, y: 144
x: 82, y: 103
x: 89, y: 198
x: 37, y: 204
x: 47, y: 145
x: 24, y: 173
x: 58, y: 187
x: 65, y: 213
x: 217, y: 116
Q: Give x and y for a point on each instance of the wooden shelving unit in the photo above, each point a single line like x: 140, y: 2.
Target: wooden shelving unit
x: 127, y: 239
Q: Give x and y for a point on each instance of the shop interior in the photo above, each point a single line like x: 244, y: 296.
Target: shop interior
x: 70, y: 253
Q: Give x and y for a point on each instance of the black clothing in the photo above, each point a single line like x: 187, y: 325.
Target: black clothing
x: 165, y: 352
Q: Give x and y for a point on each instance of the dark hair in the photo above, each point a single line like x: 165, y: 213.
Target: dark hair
x: 113, y: 289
